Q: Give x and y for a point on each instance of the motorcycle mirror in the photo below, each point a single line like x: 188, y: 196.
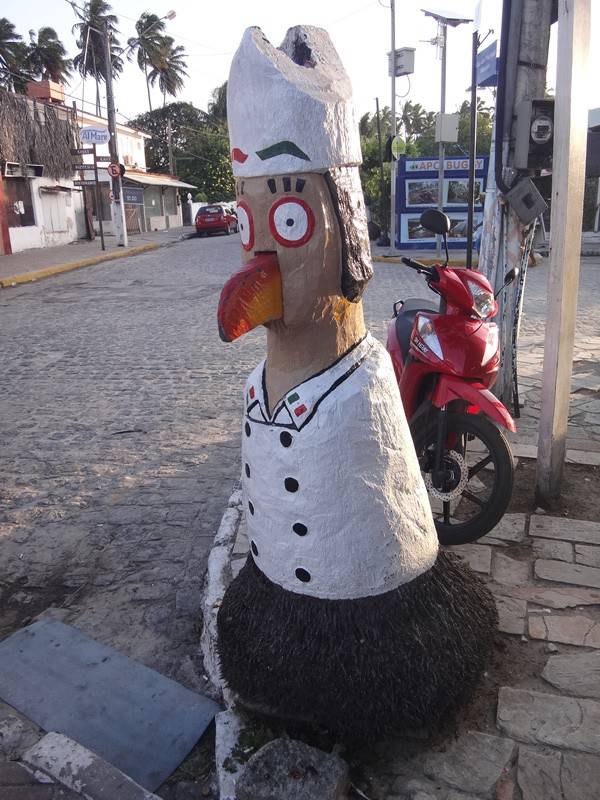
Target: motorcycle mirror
x: 435, y: 221
x: 510, y: 276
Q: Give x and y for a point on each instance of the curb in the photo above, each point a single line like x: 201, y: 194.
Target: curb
x: 56, y: 269
x: 82, y: 771
x: 218, y: 578
x: 429, y: 262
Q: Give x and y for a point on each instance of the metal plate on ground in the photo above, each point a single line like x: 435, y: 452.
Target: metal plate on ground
x: 135, y: 718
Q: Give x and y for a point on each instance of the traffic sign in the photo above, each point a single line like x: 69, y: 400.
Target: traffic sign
x: 85, y: 183
x: 94, y: 134
x: 113, y: 170
x: 83, y: 151
x: 133, y: 195
x: 102, y: 158
x: 398, y: 147
x: 487, y: 66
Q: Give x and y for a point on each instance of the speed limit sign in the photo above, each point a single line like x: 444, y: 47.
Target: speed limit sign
x: 114, y: 170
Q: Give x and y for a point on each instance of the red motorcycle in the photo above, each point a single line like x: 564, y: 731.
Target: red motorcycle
x: 446, y: 359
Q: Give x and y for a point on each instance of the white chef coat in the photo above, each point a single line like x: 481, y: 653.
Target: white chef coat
x: 335, y: 503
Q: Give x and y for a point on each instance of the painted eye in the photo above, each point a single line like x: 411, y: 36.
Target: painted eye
x: 291, y: 221
x: 245, y: 225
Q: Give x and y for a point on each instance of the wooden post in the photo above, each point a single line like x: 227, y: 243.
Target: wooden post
x: 568, y: 175
x: 5, y: 246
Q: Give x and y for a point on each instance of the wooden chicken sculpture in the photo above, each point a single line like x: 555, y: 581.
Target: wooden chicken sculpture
x: 345, y: 613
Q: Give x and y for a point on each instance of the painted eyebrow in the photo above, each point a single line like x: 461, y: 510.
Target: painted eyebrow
x: 280, y: 149
x: 287, y: 185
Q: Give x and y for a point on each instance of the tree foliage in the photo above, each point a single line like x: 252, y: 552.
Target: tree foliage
x: 146, y: 45
x: 200, y: 148
x: 13, y: 53
x: 46, y: 56
x: 168, y: 68
x: 90, y: 60
x: 416, y: 127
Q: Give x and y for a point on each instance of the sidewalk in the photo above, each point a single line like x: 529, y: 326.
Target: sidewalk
x: 46, y: 261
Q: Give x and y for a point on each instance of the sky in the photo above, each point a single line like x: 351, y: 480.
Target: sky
x: 210, y: 31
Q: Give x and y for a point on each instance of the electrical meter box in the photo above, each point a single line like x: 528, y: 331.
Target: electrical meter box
x: 534, y: 135
x: 403, y: 60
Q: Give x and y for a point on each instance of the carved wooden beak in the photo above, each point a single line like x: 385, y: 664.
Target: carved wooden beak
x: 251, y: 297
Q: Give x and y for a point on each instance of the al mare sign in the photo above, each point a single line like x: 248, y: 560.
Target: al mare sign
x: 450, y: 165
x: 94, y: 134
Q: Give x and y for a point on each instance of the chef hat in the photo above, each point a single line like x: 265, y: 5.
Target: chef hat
x: 290, y: 108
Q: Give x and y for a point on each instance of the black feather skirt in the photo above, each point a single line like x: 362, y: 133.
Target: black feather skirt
x: 361, y: 668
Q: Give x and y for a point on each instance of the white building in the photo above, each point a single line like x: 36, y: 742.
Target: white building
x: 39, y: 211
x: 154, y: 202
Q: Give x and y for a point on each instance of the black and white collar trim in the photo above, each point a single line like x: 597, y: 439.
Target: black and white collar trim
x: 300, y: 404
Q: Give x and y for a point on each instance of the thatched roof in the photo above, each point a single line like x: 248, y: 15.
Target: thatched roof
x: 35, y: 133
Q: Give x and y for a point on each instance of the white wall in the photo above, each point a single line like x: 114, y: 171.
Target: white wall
x: 58, y: 217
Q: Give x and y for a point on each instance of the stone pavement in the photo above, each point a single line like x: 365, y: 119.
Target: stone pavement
x: 120, y: 439
x: 544, y: 743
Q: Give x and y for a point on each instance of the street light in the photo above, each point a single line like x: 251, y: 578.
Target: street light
x: 443, y: 19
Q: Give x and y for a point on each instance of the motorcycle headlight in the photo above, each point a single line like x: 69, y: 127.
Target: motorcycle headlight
x: 483, y: 301
x: 491, y: 345
x: 429, y: 336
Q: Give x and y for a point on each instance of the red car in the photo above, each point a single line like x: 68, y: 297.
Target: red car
x: 215, y: 219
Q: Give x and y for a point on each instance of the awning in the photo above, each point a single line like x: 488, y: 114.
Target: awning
x: 147, y: 179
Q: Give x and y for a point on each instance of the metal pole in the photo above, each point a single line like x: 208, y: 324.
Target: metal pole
x: 444, y: 30
x: 381, y: 177
x: 472, y: 150
x: 98, y: 199
x: 393, y: 165
x: 117, y: 206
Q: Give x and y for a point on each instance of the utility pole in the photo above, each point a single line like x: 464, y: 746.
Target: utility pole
x: 117, y: 206
x: 523, y: 59
x: 568, y: 177
x: 393, y: 164
x: 443, y: 38
x: 170, y: 145
x: 381, y: 178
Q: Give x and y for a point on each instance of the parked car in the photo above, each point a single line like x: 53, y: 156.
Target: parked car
x: 215, y: 219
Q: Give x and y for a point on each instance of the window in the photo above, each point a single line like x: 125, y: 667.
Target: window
x: 19, y: 205
x: 170, y: 201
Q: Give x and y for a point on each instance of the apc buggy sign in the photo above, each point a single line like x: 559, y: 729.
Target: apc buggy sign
x: 417, y: 189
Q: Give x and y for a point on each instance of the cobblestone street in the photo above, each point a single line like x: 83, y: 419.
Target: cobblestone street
x: 120, y: 438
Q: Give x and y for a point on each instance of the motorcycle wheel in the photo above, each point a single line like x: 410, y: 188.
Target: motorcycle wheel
x: 478, y: 476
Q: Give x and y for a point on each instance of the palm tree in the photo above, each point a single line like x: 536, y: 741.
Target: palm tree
x: 217, y: 107
x: 150, y: 38
x: 415, y: 120
x: 12, y: 56
x: 94, y: 21
x: 168, y: 67
x: 46, y: 56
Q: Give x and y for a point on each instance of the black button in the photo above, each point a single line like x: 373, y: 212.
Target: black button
x: 302, y: 575
x: 251, y: 507
x: 300, y: 529
x: 291, y: 484
x: 254, y: 548
x: 247, y: 429
x: 286, y: 438
x: 247, y: 470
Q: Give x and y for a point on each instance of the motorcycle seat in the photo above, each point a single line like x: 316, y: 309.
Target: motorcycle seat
x: 406, y: 320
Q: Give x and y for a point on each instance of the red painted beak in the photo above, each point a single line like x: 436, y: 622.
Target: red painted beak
x: 251, y: 297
